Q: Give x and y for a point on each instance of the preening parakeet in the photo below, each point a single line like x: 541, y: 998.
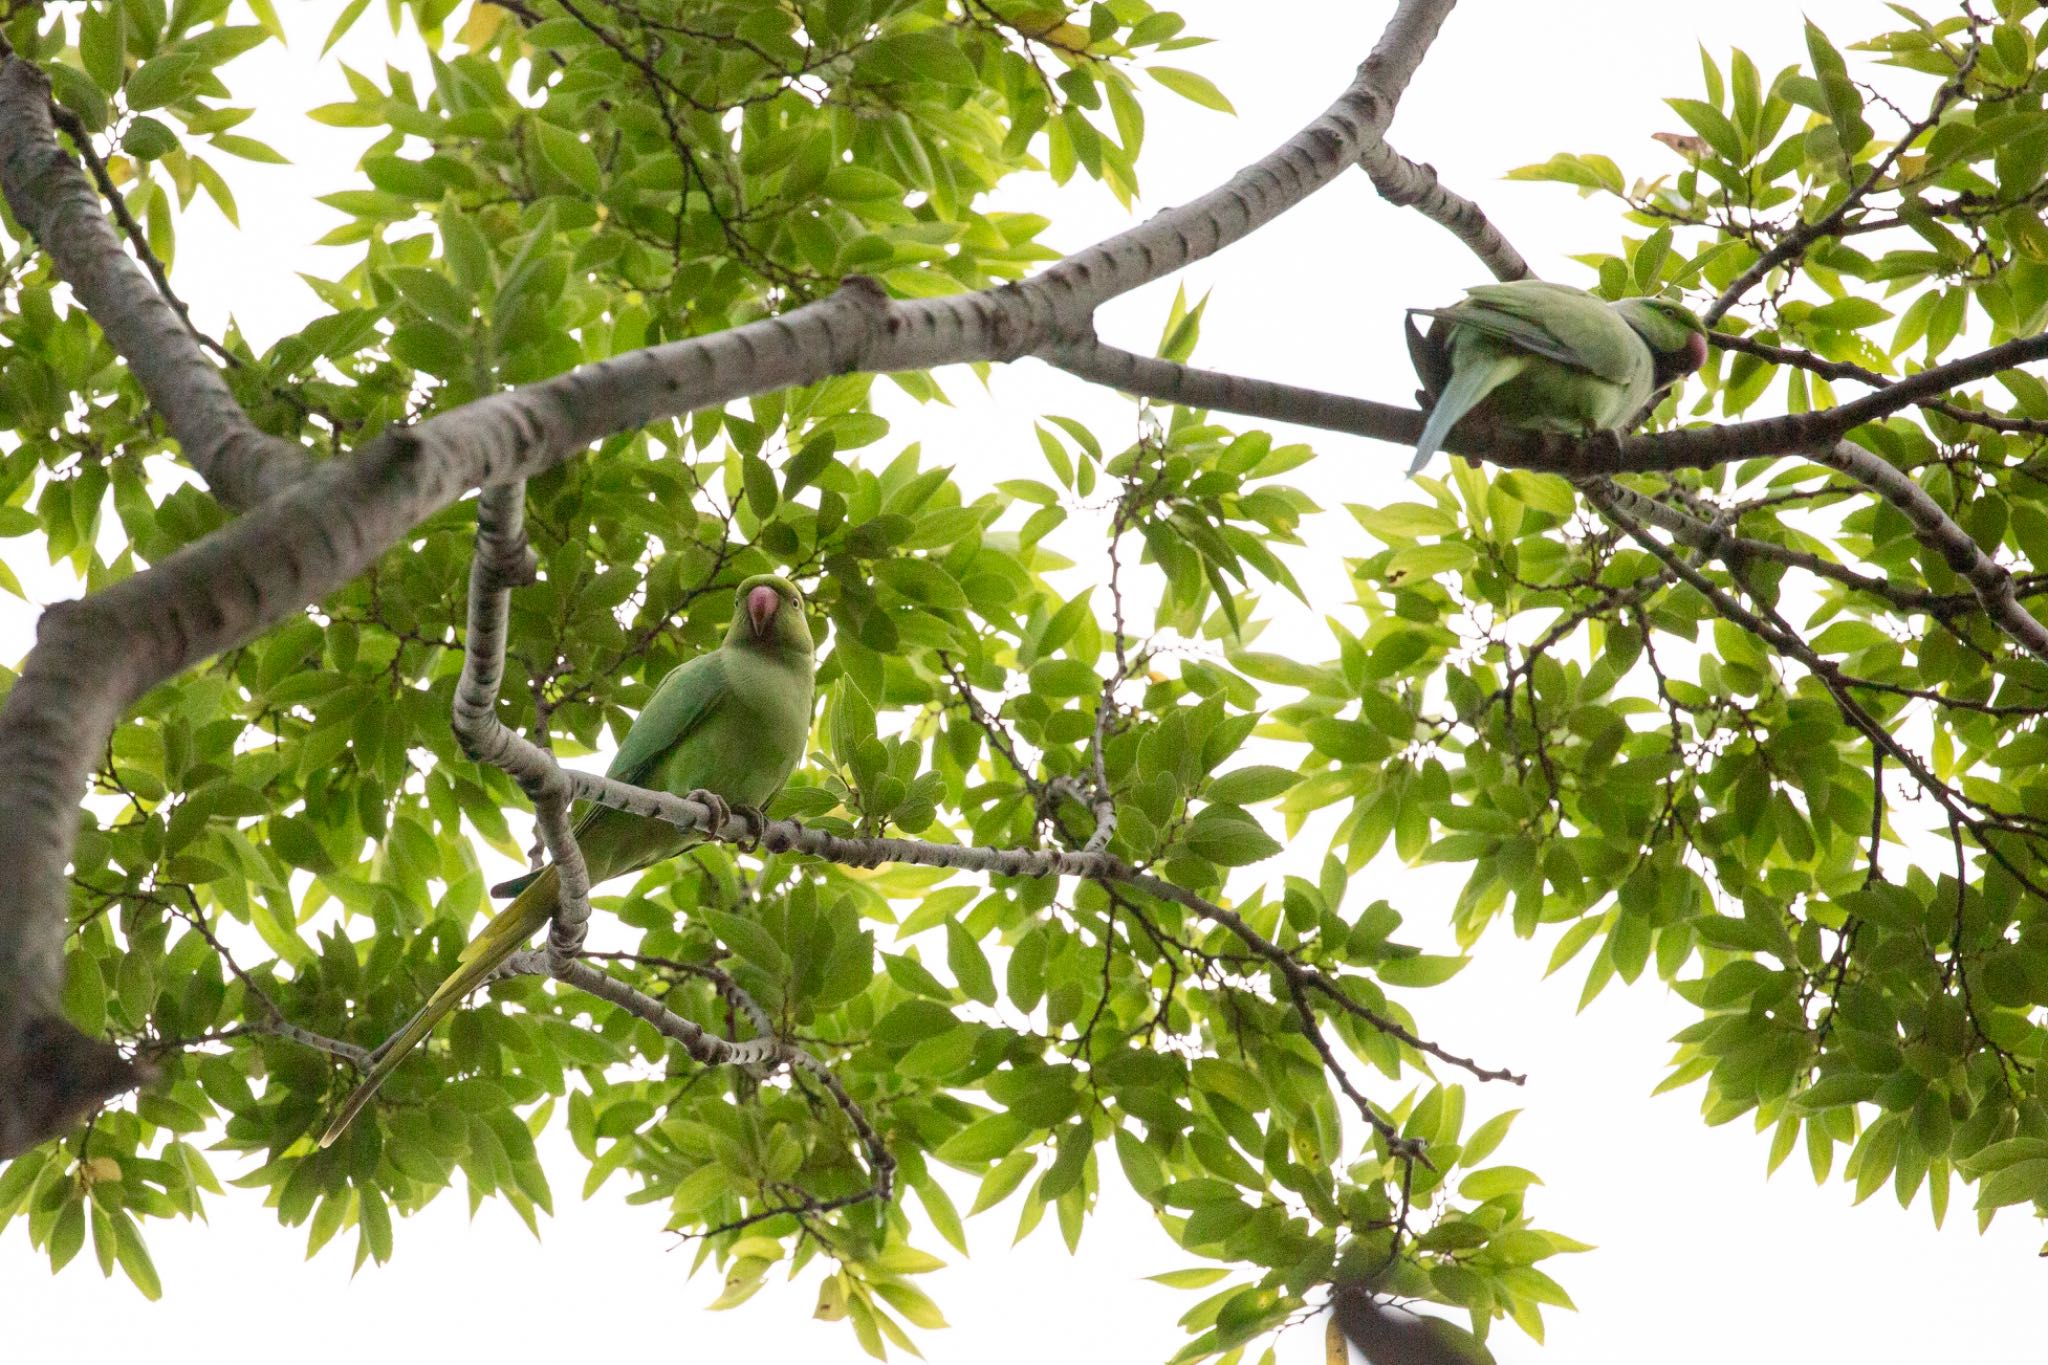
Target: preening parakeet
x: 732, y: 722
x: 1548, y: 357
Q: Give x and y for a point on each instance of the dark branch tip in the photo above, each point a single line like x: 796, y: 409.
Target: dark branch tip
x: 54, y: 1075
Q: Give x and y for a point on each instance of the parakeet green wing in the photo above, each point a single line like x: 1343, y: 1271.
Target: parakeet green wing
x: 683, y: 702
x: 1554, y: 321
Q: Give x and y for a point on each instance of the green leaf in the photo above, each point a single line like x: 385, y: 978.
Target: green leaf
x: 1711, y: 124
x: 102, y: 46
x: 1849, y: 314
x: 968, y: 964
x: 938, y: 1206
x: 1486, y: 1137
x: 1190, y: 86
x: 1842, y: 1088
x: 249, y: 149
x: 749, y: 940
x: 1842, y: 102
x: 432, y: 348
x: 759, y: 481
x: 984, y: 1140
x: 1002, y: 1181
x: 1025, y: 975
x: 433, y: 294
x: 858, y: 184
x: 931, y: 53
x: 266, y: 15
x: 1246, y: 786
x: 810, y: 460
x: 134, y: 1257
x: 1404, y: 521
x: 570, y: 156
x: 2020, y: 1183
x: 295, y: 842
x: 1590, y: 172
x: 915, y: 977
x: 67, y: 1234
x: 161, y: 80
x: 1423, y: 969
x: 922, y: 581
x: 1228, y: 837
x: 148, y: 138
x: 1347, y: 741
x: 1496, y: 1181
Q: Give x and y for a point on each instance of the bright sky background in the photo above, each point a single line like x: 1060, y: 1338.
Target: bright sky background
x: 1700, y: 1259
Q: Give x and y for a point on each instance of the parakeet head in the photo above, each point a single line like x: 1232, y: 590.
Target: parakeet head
x: 769, y: 614
x: 1676, y: 338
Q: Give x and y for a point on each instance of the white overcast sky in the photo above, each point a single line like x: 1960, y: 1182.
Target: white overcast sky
x: 1699, y: 1258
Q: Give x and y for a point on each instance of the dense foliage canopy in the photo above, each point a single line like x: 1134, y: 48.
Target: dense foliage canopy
x: 1765, y: 726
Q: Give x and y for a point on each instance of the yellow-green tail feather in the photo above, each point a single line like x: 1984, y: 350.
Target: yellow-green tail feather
x: 484, y: 954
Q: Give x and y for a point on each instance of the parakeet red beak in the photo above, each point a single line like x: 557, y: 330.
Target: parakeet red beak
x: 762, y: 604
x: 1695, y: 352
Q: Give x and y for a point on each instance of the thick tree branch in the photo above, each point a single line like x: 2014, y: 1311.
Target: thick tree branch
x: 1991, y: 581
x: 1084, y: 357
x: 1576, y: 457
x: 1411, y: 184
x: 54, y: 200
x: 504, y: 560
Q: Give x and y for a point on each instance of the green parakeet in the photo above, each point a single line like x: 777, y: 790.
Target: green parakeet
x: 1548, y: 357
x: 733, y: 722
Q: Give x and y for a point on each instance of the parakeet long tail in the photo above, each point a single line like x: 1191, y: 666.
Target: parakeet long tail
x: 502, y: 937
x: 1469, y: 384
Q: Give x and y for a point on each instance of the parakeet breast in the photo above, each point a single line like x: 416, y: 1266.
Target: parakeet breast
x: 754, y: 740
x: 749, y: 741
x: 1547, y: 396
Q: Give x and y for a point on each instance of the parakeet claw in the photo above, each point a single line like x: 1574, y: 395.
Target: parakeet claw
x: 757, y: 828
x: 721, y: 811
